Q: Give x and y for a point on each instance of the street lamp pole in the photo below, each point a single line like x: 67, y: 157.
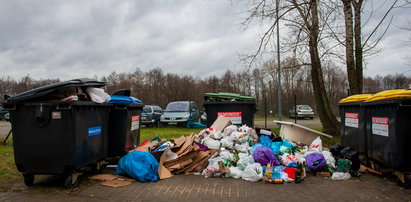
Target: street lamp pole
x: 278, y: 63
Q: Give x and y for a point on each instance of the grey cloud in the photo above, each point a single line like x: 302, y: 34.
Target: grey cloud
x: 69, y: 39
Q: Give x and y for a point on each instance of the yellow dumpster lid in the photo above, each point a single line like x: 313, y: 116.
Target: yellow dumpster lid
x: 390, y: 94
x: 356, y: 98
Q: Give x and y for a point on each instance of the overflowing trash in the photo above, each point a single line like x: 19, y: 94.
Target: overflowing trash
x: 240, y: 152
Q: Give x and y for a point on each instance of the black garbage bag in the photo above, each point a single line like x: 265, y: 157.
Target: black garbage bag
x: 336, y: 151
x: 352, y: 155
x: 342, y: 152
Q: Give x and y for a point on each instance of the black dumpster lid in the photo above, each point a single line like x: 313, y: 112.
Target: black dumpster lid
x: 44, y: 90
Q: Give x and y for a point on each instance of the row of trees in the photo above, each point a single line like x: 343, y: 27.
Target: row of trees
x: 319, y: 33
x: 159, y: 88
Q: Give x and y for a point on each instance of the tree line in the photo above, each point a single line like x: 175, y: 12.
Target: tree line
x: 155, y: 87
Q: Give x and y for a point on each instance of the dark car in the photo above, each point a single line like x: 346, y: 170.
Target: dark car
x: 150, y: 116
x: 178, y: 113
x: 303, y: 111
x: 3, y: 113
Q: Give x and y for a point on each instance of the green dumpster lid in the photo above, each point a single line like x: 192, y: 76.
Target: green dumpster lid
x: 247, y: 98
x: 226, y: 95
x: 210, y: 94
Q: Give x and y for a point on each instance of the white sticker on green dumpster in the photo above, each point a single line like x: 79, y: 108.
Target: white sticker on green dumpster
x: 135, y: 122
x: 380, y: 126
x: 235, y: 117
x: 351, y: 119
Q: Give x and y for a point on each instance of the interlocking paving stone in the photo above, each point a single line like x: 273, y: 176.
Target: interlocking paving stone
x: 190, y: 187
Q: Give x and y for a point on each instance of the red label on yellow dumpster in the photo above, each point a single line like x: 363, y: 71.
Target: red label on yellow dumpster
x: 235, y: 117
x: 380, y: 126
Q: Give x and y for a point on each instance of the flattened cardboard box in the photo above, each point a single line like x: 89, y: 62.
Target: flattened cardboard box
x: 220, y: 123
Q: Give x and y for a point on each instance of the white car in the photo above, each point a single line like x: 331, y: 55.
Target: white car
x: 303, y: 111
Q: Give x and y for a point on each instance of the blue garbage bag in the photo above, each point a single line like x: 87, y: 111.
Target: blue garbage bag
x: 192, y: 124
x: 139, y: 165
x: 275, y: 146
x: 287, y: 143
x: 265, y: 141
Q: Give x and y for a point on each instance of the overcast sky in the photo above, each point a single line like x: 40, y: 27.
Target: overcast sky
x: 77, y: 38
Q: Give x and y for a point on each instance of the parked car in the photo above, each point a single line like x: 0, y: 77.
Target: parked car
x: 303, y: 111
x: 151, y: 115
x: 3, y: 113
x: 178, y: 113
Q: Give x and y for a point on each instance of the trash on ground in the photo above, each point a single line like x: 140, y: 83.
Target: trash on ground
x: 240, y: 152
x: 113, y: 180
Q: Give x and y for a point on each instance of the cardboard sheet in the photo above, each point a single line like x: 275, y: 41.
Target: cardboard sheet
x: 186, y: 146
x: 179, y: 141
x: 220, y: 123
x: 104, y: 177
x: 116, y: 183
x: 189, y: 155
x: 163, y: 172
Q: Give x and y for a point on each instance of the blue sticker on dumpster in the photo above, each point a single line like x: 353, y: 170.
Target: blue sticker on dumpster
x: 94, y: 131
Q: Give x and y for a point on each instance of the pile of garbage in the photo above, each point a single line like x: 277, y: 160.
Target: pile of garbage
x: 225, y: 150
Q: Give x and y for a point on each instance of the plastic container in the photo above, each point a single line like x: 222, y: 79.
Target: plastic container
x: 58, y: 137
x: 353, y: 130
x: 239, y: 112
x: 388, y: 132
x: 124, y: 133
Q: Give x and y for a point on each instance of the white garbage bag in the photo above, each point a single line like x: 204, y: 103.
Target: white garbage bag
x: 329, y: 158
x: 211, y: 143
x: 253, y: 172
x: 340, y: 176
x: 316, y: 146
x: 98, y: 95
x: 235, y: 172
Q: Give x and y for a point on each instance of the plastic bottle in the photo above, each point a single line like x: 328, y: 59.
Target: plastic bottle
x: 276, y: 181
x: 268, y: 171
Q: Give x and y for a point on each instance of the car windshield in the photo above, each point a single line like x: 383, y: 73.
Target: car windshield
x: 147, y: 109
x: 305, y: 107
x: 177, y: 107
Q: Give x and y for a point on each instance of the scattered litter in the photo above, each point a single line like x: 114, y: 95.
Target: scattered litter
x: 116, y: 183
x: 104, y: 177
x: 226, y: 150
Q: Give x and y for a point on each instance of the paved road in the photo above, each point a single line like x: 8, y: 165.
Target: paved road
x: 189, y: 187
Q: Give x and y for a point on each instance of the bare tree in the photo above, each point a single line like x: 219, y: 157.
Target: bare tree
x: 354, y: 44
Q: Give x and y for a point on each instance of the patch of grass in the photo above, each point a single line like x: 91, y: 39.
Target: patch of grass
x: 148, y: 133
x: 8, y: 170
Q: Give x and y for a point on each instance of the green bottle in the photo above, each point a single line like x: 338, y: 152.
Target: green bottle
x: 298, y: 173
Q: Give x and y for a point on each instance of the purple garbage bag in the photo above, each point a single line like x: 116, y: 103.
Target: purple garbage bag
x: 315, y: 162
x: 264, y: 155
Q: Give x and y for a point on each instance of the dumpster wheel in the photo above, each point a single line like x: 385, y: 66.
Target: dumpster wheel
x: 28, y: 179
x: 71, y: 181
